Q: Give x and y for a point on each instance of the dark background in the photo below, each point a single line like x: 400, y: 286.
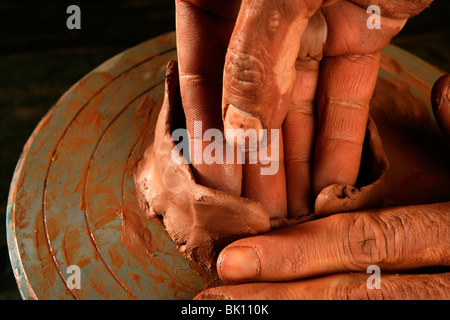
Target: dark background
x: 40, y: 59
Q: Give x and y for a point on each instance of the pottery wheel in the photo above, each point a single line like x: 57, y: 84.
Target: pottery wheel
x: 73, y: 183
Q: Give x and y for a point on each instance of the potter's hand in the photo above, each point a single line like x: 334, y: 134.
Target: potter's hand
x: 265, y: 62
x: 393, y: 239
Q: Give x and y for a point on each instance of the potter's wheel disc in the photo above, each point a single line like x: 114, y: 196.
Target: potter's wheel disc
x: 72, y: 184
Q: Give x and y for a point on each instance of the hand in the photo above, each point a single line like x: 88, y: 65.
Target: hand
x: 394, y: 239
x: 261, y: 64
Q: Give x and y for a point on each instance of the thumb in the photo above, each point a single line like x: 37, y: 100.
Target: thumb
x: 259, y: 71
x: 440, y: 100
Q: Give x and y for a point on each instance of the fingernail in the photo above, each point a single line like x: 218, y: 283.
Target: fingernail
x: 237, y: 264
x: 237, y: 119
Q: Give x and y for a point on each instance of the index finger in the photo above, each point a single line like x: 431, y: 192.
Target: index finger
x: 400, y: 238
x: 259, y: 72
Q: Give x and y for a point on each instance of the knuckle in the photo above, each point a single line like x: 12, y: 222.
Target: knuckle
x: 437, y: 235
x: 352, y: 287
x: 279, y: 292
x: 430, y: 286
x: 443, y: 286
x: 344, y: 120
x: 245, y: 74
x: 360, y: 292
x: 302, y: 108
x: 372, y: 240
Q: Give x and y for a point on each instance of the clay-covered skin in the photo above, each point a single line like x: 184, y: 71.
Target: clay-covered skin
x: 405, y: 156
x: 203, y: 220
x: 263, y: 63
x: 329, y: 258
x: 200, y: 220
x: 397, y: 8
x: 344, y: 198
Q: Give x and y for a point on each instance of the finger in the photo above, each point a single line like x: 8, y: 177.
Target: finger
x: 299, y: 129
x: 349, y: 32
x: 440, y: 99
x: 345, y: 88
x: 299, y: 124
x: 289, y: 189
x: 395, y: 239
x: 265, y: 180
x: 347, y: 81
x: 203, y: 31
x: 340, y: 287
x: 403, y: 9
x: 259, y: 69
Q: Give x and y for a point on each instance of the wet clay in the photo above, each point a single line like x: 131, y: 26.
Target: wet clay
x: 404, y: 161
x: 405, y: 155
x: 200, y: 220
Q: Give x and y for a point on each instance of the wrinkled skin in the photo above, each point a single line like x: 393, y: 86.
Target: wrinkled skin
x: 309, y: 68
x: 271, y: 59
x: 394, y: 239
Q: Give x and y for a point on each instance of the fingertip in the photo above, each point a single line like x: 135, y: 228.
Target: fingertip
x: 259, y: 71
x: 336, y: 162
x: 440, y: 100
x: 237, y: 264
x: 236, y: 119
